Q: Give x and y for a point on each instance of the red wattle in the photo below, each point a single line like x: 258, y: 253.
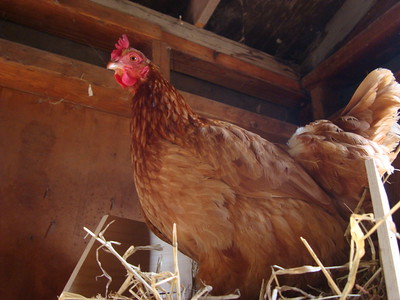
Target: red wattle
x: 128, y: 80
x: 119, y: 80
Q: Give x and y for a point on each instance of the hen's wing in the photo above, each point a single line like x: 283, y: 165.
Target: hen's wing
x: 255, y: 167
x: 334, y: 152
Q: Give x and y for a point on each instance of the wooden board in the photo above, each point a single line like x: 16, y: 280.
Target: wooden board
x: 389, y: 249
x: 63, y: 167
x: 254, y: 86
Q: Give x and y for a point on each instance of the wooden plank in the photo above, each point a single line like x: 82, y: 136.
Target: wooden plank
x: 236, y: 79
x: 211, y: 91
x: 360, y: 50
x: 323, y: 100
x: 317, y: 101
x: 389, y: 251
x: 247, y: 62
x: 337, y: 29
x: 39, y: 81
x: 200, y: 11
x: 62, y: 168
x: 53, y: 76
x: 85, y: 23
x: 75, y: 280
x: 100, y: 24
x: 161, y: 57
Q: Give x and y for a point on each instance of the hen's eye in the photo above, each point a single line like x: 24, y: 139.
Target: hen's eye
x: 133, y: 58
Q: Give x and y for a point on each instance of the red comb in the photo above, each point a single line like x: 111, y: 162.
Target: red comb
x: 122, y: 44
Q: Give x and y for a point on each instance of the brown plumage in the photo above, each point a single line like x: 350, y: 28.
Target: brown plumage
x: 334, y: 152
x: 240, y: 203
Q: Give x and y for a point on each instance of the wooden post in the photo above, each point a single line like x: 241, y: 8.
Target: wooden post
x: 161, y: 57
x: 317, y: 102
x: 324, y: 99
x: 389, y: 251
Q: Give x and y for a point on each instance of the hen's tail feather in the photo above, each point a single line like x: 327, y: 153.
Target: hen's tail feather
x: 373, y: 110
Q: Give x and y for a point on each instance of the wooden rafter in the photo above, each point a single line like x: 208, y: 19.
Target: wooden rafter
x: 351, y: 62
x: 200, y: 11
x: 337, y: 29
x: 361, y: 50
x: 160, y: 55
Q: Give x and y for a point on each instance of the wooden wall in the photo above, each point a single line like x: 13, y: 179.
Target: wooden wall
x: 62, y: 167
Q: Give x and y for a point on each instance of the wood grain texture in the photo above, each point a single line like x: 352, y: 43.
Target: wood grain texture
x: 160, y: 55
x: 63, y: 167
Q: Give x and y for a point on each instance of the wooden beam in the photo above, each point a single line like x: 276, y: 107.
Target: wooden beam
x: 56, y: 78
x: 389, y: 250
x: 200, y: 11
x: 226, y: 77
x: 99, y: 23
x: 337, y: 29
x: 361, y: 50
x: 92, y: 25
x: 52, y: 77
x: 160, y: 55
x: 317, y: 101
x: 323, y: 100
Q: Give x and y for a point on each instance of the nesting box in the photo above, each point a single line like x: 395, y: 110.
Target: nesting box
x: 87, y: 279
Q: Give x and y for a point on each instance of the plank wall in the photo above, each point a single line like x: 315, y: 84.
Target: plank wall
x: 63, y: 167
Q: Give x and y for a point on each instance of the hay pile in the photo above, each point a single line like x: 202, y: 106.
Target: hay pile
x: 364, y: 279
x: 141, y: 285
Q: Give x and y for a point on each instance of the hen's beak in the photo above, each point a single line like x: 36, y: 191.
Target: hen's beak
x: 112, y: 65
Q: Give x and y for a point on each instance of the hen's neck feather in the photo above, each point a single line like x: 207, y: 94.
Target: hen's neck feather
x: 159, y: 111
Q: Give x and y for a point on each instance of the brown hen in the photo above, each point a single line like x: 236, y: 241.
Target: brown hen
x: 240, y: 203
x: 334, y: 152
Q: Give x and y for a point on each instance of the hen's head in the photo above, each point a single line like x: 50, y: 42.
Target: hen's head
x: 130, y: 65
